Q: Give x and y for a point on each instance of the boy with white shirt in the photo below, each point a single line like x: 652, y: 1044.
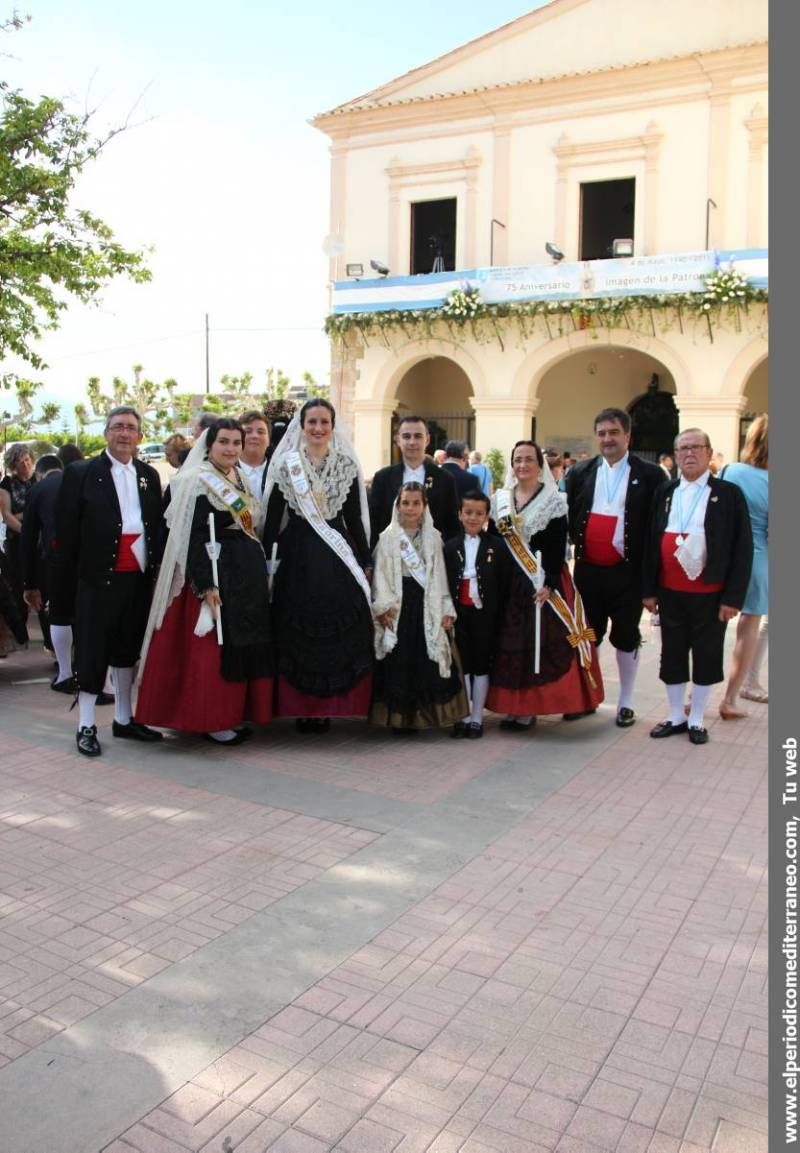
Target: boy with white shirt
x: 697, y: 565
x: 475, y: 563
x: 609, y: 500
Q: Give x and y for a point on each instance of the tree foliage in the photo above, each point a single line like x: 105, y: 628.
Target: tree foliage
x: 50, y: 250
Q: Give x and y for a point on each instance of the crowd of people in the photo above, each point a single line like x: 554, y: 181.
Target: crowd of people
x: 267, y: 580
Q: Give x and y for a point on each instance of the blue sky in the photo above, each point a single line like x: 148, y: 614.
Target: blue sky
x: 216, y: 93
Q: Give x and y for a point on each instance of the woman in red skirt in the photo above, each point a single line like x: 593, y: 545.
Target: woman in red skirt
x: 193, y: 679
x: 559, y: 673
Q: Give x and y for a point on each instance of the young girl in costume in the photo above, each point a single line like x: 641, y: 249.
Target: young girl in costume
x: 417, y: 684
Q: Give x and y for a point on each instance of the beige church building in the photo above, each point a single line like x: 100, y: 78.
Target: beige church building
x: 546, y: 220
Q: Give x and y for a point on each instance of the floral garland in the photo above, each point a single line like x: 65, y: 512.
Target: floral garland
x: 726, y: 293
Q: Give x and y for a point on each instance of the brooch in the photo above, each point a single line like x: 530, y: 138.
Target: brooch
x: 143, y: 483
x: 635, y: 480
x: 490, y: 556
x: 429, y: 482
x: 714, y: 499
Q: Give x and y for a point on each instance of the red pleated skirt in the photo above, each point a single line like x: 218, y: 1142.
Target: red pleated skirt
x: 182, y: 687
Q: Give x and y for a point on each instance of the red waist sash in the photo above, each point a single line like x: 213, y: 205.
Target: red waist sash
x: 598, y: 548
x: 463, y: 593
x: 126, y: 561
x: 672, y: 574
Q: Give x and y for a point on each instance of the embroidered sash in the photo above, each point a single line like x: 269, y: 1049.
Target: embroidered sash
x: 580, y: 635
x: 412, y: 560
x: 310, y: 510
x: 235, y: 502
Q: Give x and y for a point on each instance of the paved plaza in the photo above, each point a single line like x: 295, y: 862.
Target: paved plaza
x: 551, y: 941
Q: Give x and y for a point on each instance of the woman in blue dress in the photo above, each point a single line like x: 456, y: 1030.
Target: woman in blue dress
x: 752, y: 477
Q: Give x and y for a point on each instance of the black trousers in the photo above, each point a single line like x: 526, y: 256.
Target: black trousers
x: 690, y: 624
x: 475, y: 636
x: 109, y: 627
x: 611, y: 592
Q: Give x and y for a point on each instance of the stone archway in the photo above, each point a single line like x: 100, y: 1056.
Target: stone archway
x: 439, y: 390
x: 577, y: 386
x: 756, y: 388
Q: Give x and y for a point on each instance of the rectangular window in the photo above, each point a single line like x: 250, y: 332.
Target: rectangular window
x: 433, y: 236
x: 607, y: 214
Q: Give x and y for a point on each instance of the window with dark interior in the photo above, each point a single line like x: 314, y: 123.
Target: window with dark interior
x: 433, y: 236
x: 607, y: 214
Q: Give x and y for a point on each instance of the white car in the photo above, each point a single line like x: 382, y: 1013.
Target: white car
x: 148, y: 452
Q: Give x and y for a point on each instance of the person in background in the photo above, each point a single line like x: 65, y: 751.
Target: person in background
x: 255, y: 452
x: 556, y: 462
x: 698, y: 558
x: 455, y: 465
x: 751, y: 475
x: 173, y: 447
x: 481, y: 472
x: 38, y: 543
x: 667, y: 464
x: 202, y: 421
x: 609, y: 500
x: 15, y: 488
x: 439, y: 457
x: 68, y: 453
x: 412, y: 438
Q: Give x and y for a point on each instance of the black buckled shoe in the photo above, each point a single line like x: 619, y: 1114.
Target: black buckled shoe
x: 133, y: 731
x: 698, y: 735
x: 667, y: 729
x: 67, y: 686
x: 87, y: 742
x: 460, y: 729
x: 512, y: 725
x: 474, y: 731
x: 625, y: 718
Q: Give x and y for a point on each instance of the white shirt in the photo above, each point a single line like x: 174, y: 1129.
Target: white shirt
x: 610, y: 491
x: 683, y: 502
x: 127, y: 486
x: 471, y: 546
x: 253, y: 474
x: 413, y: 473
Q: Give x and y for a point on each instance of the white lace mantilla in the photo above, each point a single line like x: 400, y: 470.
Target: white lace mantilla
x: 547, y: 505
x: 330, y: 482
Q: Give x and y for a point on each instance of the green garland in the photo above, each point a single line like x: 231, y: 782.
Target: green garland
x: 557, y: 317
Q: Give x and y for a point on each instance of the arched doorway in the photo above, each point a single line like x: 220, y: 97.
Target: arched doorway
x: 578, y: 386
x: 438, y: 390
x: 756, y: 394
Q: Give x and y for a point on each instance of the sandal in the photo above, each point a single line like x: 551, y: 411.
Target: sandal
x: 759, y: 695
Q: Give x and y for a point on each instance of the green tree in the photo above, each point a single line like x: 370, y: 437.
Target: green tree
x: 50, y: 250
x: 496, y: 463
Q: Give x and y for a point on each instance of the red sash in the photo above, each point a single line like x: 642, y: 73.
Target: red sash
x: 672, y: 575
x: 126, y: 561
x: 463, y: 593
x: 597, y: 541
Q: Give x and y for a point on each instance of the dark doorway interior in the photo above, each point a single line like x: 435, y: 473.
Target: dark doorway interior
x: 607, y: 214
x: 433, y: 236
x: 654, y: 421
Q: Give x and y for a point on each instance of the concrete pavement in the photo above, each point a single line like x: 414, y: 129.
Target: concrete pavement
x: 548, y: 941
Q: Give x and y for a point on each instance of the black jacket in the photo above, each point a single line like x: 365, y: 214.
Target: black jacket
x: 729, y: 541
x: 89, y: 520
x: 39, y: 526
x: 464, y: 481
x: 643, y: 482
x: 442, y: 499
x: 491, y: 567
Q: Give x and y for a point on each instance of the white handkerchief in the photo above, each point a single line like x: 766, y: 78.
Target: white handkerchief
x: 205, y: 621
x: 691, y: 554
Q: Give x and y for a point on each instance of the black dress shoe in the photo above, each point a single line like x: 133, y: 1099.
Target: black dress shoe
x: 512, y: 725
x: 475, y: 731
x: 697, y: 735
x: 87, y: 742
x: 302, y: 724
x: 578, y: 716
x: 667, y: 729
x: 460, y: 729
x: 133, y: 731
x: 625, y: 718
x: 66, y: 686
x: 105, y: 699
x: 238, y: 738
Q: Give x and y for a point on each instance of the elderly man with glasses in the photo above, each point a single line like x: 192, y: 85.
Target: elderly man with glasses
x: 108, y: 521
x: 697, y: 565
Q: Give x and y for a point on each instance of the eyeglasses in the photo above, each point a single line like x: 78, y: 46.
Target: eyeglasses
x: 123, y: 428
x: 693, y: 448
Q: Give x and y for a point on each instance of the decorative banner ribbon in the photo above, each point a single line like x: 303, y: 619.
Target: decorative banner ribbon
x: 580, y: 634
x: 333, y: 539
x: 412, y: 560
x: 235, y: 502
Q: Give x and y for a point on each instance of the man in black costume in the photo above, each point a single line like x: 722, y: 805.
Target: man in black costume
x: 609, y: 500
x: 413, y: 439
x: 108, y: 520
